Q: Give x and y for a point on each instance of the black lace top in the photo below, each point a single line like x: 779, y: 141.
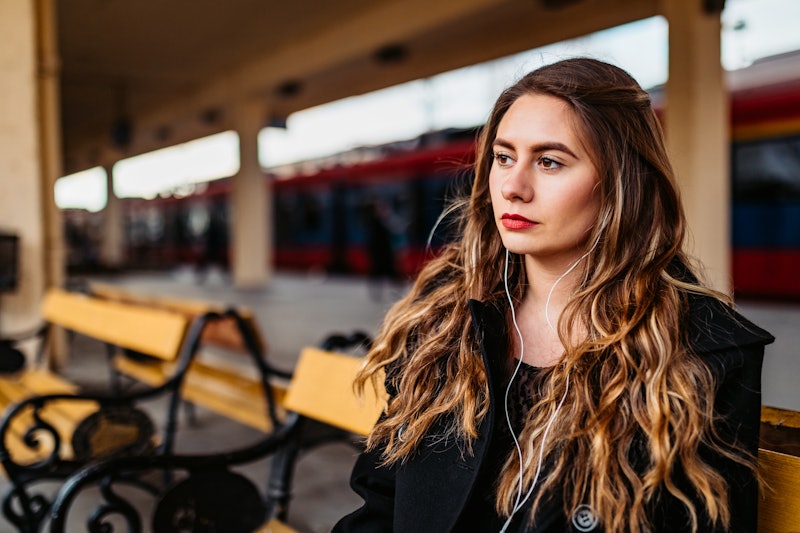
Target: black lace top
x: 480, y: 514
x: 522, y: 394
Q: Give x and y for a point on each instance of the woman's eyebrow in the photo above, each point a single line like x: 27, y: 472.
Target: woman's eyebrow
x: 539, y: 147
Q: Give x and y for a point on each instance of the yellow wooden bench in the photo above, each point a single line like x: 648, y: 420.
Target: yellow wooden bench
x: 320, y: 391
x: 107, y: 322
x: 235, y: 391
x: 68, y: 428
x: 779, y: 465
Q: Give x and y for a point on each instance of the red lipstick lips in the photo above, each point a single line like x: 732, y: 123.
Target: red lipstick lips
x: 516, y: 222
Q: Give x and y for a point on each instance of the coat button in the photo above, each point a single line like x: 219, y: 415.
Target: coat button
x: 584, y: 518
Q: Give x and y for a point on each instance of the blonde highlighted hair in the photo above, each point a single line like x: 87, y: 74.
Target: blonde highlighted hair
x: 633, y: 377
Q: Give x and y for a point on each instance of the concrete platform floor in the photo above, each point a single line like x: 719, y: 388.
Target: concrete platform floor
x: 299, y: 310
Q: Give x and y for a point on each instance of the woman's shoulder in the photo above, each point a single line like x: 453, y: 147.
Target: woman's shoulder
x: 713, y: 326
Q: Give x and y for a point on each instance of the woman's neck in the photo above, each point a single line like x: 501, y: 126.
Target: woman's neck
x: 549, y: 289
x: 551, y: 280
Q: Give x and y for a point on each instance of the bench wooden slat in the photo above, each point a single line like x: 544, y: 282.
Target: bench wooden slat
x: 237, y: 383
x: 155, y: 332
x: 231, y: 394
x: 310, y: 393
x: 780, y: 430
x: 780, y: 417
x: 36, y: 381
x: 152, y: 373
x: 779, y: 509
x: 251, y: 413
x: 219, y: 389
x: 41, y: 381
x: 221, y: 332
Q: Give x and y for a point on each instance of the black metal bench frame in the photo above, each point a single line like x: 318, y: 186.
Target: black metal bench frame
x: 24, y: 506
x: 194, y: 503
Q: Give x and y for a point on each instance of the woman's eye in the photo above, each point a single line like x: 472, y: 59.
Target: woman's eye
x: 549, y: 164
x: 502, y: 159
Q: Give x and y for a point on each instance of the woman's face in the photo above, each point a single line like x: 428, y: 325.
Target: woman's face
x: 542, y: 181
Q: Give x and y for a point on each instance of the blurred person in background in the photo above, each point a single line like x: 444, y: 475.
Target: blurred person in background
x: 382, y: 258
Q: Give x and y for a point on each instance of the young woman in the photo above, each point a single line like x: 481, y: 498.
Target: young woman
x: 561, y: 367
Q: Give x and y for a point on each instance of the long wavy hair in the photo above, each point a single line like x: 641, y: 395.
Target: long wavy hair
x: 634, y: 382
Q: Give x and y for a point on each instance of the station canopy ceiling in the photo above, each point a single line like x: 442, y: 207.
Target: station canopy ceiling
x: 139, y: 75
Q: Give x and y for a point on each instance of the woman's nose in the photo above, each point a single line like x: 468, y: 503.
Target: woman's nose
x: 518, y: 184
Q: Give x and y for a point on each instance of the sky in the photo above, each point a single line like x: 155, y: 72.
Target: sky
x: 461, y: 98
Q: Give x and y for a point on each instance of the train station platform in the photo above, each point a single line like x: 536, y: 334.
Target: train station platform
x: 299, y: 310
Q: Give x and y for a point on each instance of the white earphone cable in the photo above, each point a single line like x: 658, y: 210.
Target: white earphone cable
x: 520, y: 488
x: 519, y: 502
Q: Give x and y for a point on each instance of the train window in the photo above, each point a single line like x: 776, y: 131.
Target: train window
x: 311, y: 211
x: 767, y: 169
x: 284, y: 211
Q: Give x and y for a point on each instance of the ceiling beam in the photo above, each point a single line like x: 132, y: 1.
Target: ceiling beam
x: 338, y: 60
x: 385, y: 23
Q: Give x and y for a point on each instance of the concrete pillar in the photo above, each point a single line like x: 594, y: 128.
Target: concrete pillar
x: 697, y: 130
x: 112, y: 251
x: 30, y: 157
x: 251, y: 204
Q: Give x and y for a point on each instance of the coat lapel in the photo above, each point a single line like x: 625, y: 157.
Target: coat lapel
x: 444, y: 472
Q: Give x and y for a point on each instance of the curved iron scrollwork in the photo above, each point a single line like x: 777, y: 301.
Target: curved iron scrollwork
x: 194, y: 504
x: 25, y: 511
x: 23, y: 508
x: 114, y: 506
x: 34, y: 433
x: 210, y: 498
x: 109, y: 431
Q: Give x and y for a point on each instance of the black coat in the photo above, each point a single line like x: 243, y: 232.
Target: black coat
x: 429, y: 492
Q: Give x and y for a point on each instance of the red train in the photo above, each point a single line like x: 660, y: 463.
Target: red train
x: 765, y: 169
x: 324, y: 216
